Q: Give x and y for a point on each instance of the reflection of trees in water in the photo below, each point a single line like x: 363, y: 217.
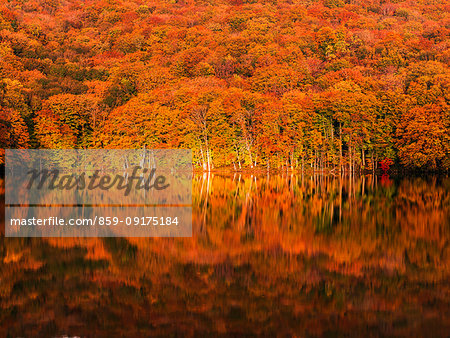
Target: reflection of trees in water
x: 344, y: 217
x: 278, y: 255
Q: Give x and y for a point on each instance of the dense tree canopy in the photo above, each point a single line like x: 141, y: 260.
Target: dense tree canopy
x: 291, y: 83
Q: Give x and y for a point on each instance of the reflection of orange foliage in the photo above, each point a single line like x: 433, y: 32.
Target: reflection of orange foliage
x: 385, y: 181
x: 321, y: 244
x: 95, y: 248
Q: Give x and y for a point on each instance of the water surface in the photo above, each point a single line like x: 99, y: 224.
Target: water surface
x: 274, y: 255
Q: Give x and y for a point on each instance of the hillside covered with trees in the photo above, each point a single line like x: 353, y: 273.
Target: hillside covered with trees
x: 290, y: 83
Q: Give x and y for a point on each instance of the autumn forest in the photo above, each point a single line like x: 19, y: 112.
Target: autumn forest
x: 328, y: 84
x: 293, y: 110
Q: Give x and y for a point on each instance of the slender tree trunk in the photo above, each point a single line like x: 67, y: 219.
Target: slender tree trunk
x: 333, y: 159
x: 340, y: 148
x: 350, y: 157
x: 373, y: 164
x: 249, y: 150
x: 208, y: 153
x: 238, y: 157
x: 354, y: 160
x: 340, y: 197
x: 363, y: 165
x: 315, y: 161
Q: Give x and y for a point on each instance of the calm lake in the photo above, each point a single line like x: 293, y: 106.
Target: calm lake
x: 285, y: 255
